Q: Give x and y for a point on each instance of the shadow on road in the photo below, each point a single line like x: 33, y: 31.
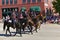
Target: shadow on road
x: 5, y: 35
x: 26, y: 32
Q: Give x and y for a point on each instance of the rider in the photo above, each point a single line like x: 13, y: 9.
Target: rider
x: 33, y: 15
x: 13, y: 18
x: 7, y: 18
x: 25, y: 17
x: 22, y: 17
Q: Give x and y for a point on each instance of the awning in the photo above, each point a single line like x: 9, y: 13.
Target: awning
x: 23, y: 9
x: 35, y: 8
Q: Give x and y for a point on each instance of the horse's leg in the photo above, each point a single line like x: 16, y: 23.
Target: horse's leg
x: 20, y: 29
x: 36, y: 28
x: 24, y: 26
x: 24, y: 29
x: 4, y: 26
x: 8, y: 29
x: 39, y: 25
x: 9, y: 32
x: 30, y: 25
x: 31, y: 29
x: 16, y: 31
x: 17, y: 27
x: 20, y: 32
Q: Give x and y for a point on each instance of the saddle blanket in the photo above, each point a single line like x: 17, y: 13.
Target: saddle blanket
x: 10, y: 21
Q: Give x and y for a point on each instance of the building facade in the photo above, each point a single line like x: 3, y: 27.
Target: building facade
x: 16, y: 5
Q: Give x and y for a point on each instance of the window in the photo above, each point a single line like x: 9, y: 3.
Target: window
x: 3, y: 2
x: 23, y: 1
x: 33, y: 1
x: 11, y: 1
x: 38, y: 0
x: 28, y: 1
x: 15, y: 1
x: 6, y: 1
x: 46, y: 1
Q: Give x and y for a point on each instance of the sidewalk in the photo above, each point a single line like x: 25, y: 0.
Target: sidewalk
x: 1, y: 20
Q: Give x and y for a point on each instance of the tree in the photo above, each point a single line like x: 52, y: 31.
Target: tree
x: 56, y: 5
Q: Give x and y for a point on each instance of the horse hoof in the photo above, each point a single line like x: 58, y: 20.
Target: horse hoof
x: 10, y: 35
x: 14, y: 35
x: 20, y: 35
x: 32, y: 33
x: 36, y: 31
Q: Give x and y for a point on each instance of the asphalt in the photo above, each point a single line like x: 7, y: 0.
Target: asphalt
x: 46, y: 32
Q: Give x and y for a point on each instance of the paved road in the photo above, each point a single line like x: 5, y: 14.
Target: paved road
x: 47, y: 32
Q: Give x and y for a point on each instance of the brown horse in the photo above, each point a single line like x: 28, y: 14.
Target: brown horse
x: 34, y: 21
x: 39, y: 21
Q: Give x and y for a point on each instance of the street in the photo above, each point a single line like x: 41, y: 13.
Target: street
x: 47, y: 32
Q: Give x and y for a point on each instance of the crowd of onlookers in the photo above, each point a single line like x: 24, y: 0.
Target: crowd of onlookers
x: 52, y: 19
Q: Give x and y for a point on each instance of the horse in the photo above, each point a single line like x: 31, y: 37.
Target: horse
x: 40, y: 19
x: 30, y: 23
x: 23, y: 23
x: 8, y: 24
x: 36, y: 22
x: 11, y: 23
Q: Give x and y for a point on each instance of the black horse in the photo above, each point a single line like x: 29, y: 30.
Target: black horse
x: 10, y: 24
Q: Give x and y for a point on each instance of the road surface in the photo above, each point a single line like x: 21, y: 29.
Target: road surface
x: 47, y: 32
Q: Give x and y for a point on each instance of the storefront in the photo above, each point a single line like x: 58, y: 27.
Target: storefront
x: 8, y: 11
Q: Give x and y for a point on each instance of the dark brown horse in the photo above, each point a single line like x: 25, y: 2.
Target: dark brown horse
x: 25, y: 22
